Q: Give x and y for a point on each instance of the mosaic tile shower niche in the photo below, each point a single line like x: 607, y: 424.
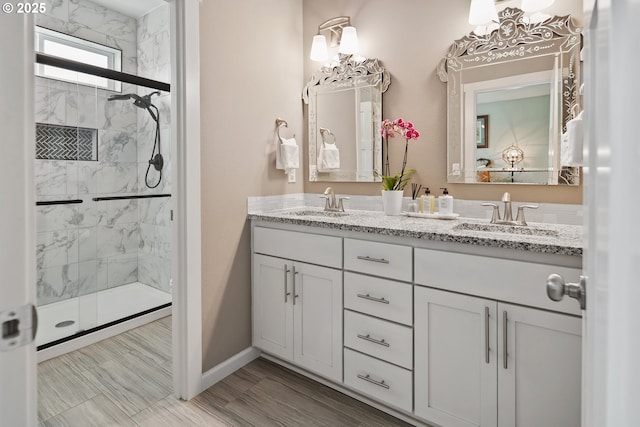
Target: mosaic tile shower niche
x: 57, y: 142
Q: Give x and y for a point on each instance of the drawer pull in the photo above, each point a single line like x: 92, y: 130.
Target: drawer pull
x: 372, y: 381
x: 373, y: 340
x: 370, y: 298
x: 368, y: 258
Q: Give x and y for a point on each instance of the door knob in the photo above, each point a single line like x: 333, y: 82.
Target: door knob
x: 557, y: 289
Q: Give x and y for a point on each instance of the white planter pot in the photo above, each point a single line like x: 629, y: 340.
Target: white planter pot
x: 392, y: 202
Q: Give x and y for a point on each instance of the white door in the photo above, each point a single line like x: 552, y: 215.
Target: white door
x: 18, y: 374
x: 273, y: 305
x: 317, y: 310
x: 611, y: 342
x: 455, y: 354
x: 539, y: 367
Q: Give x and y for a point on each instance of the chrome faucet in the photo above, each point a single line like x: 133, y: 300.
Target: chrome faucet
x: 330, y: 204
x: 507, y: 218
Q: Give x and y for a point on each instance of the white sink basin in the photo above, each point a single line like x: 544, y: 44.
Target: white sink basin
x: 512, y: 229
x: 311, y: 212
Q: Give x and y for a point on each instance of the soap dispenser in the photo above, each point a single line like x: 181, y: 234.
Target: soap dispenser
x: 445, y: 203
x: 431, y: 201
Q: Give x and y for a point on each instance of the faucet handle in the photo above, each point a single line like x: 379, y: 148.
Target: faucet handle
x: 340, y: 204
x: 495, y: 215
x: 326, y: 201
x: 520, y: 217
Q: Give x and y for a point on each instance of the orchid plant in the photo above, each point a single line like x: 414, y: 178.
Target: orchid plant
x: 389, y: 129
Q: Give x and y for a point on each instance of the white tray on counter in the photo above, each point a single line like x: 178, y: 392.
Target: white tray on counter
x: 431, y: 215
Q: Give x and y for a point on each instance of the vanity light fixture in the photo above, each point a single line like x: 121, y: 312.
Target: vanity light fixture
x: 484, y: 14
x: 340, y: 32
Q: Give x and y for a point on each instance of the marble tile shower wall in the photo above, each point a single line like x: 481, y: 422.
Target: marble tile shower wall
x: 154, y: 62
x: 95, y: 245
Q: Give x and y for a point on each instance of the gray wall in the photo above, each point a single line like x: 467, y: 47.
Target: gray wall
x: 251, y: 73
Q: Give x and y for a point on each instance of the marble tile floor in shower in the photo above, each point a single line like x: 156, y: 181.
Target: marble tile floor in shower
x: 126, y: 381
x: 95, y: 309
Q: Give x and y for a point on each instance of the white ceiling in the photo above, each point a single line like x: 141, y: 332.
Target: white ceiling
x: 133, y: 8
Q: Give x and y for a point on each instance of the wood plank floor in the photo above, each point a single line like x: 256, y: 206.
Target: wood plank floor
x: 126, y: 381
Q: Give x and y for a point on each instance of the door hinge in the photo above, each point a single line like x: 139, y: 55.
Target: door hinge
x: 19, y: 327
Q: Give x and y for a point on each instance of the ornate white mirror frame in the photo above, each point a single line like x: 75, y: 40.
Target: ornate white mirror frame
x: 515, y: 57
x: 345, y: 114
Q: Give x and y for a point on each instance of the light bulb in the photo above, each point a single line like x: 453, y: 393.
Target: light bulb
x: 535, y: 5
x: 319, y: 48
x: 349, y: 41
x: 482, y: 12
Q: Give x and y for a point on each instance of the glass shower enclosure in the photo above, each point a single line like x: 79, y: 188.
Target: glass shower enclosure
x: 103, y: 191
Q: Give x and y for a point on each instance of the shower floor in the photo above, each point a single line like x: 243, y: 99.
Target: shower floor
x: 97, y: 309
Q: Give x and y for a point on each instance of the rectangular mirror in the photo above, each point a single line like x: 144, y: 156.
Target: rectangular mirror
x: 345, y: 114
x: 510, y: 94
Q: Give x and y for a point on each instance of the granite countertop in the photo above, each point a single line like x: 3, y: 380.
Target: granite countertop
x: 545, y: 238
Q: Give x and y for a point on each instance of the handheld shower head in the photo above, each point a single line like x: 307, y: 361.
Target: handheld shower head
x: 144, y: 102
x: 117, y: 97
x: 138, y: 101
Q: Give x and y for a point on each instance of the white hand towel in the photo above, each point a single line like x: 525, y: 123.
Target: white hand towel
x: 572, y: 142
x: 289, y: 154
x: 328, y: 158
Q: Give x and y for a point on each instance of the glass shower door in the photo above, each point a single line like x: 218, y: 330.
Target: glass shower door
x: 66, y: 144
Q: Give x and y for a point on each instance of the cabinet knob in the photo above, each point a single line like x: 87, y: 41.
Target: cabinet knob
x: 557, y: 289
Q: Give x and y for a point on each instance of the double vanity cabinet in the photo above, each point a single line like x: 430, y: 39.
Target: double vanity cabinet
x: 437, y: 333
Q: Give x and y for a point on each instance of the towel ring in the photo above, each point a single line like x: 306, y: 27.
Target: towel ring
x: 325, y: 134
x: 280, y: 123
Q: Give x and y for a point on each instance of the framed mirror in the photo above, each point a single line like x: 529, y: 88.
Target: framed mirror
x: 510, y: 94
x: 345, y: 114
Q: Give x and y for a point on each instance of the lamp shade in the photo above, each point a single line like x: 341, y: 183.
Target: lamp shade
x: 319, y: 48
x: 482, y: 12
x: 535, y: 5
x: 349, y: 41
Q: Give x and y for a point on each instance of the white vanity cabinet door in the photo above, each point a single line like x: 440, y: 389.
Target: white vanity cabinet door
x: 272, y: 310
x: 297, y: 313
x: 455, y: 359
x: 541, y: 382
x: 317, y: 309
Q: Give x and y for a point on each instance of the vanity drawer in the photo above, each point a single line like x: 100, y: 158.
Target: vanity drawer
x: 379, y: 338
x: 307, y: 247
x: 378, y: 259
x: 379, y: 297
x: 388, y: 383
x: 507, y: 280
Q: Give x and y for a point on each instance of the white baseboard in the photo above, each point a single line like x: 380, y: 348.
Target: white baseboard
x: 228, y: 367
